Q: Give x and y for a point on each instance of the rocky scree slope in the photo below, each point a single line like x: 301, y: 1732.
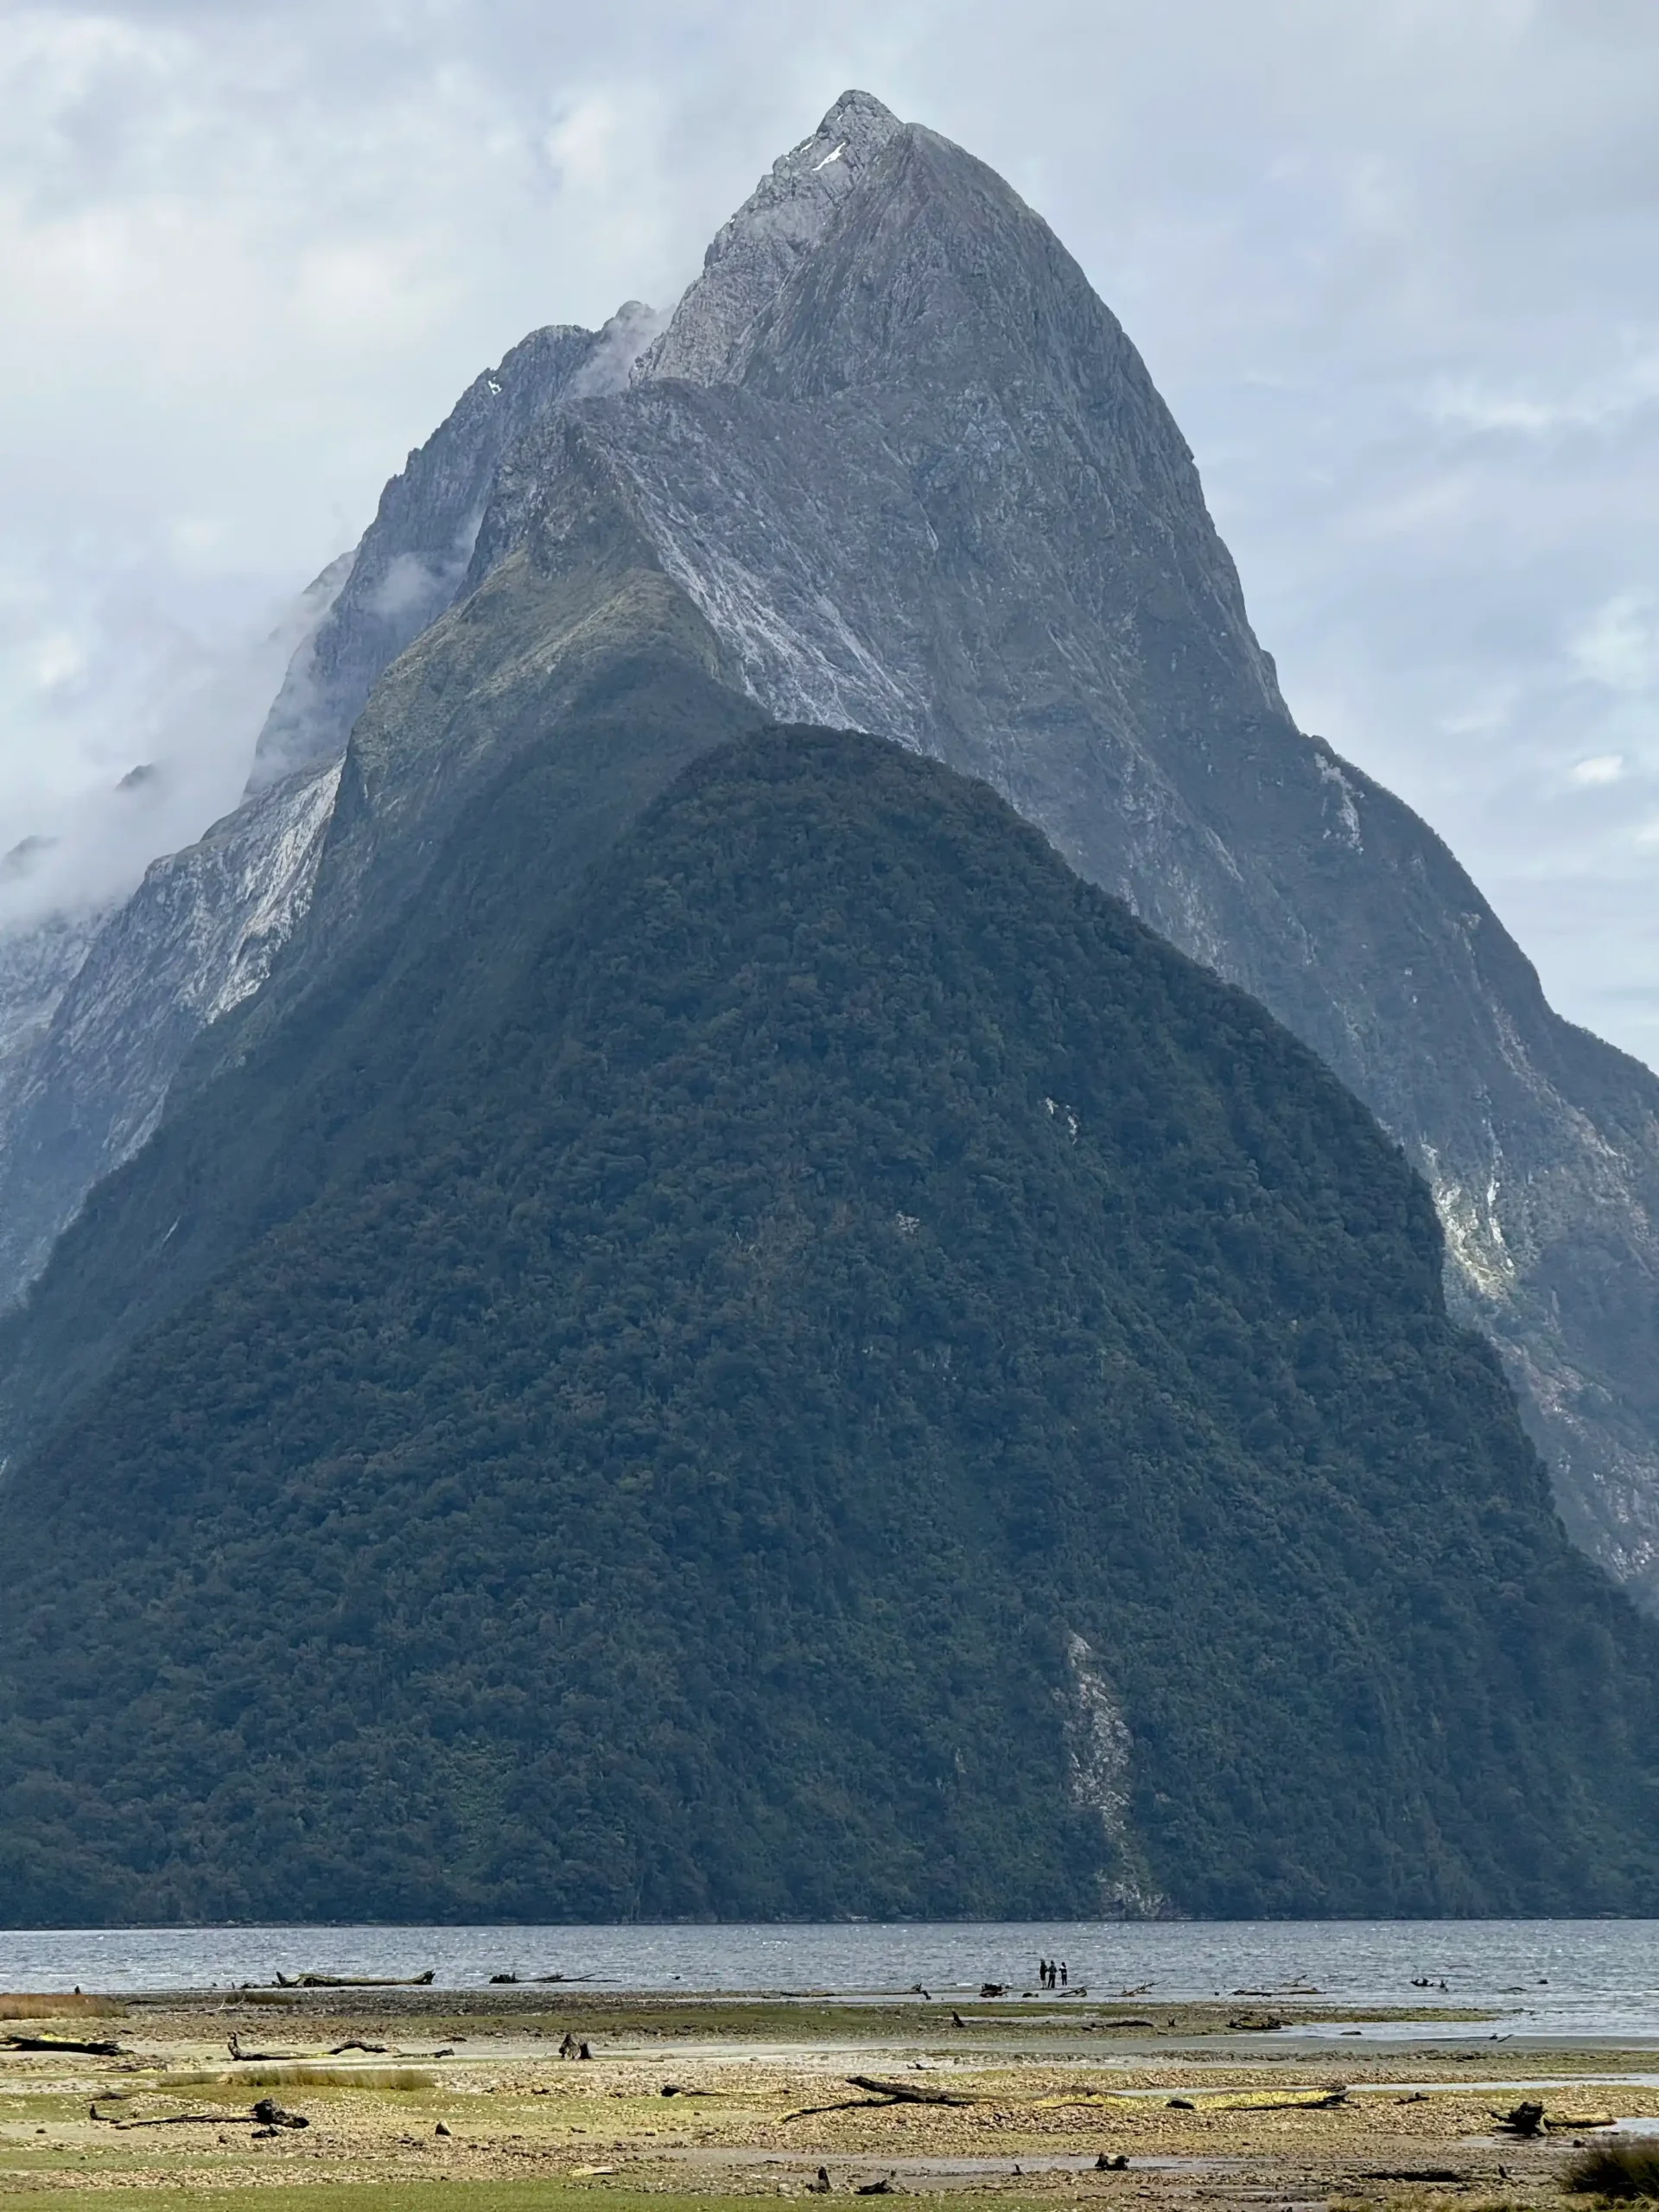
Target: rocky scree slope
x: 92, y: 1064
x: 927, y: 488
x: 829, y: 1396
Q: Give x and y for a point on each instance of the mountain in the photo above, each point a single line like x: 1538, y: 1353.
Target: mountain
x: 722, y: 1333
x: 914, y: 478
x: 87, y: 1064
x: 827, y: 1395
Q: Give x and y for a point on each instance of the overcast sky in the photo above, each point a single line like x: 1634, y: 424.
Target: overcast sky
x: 1395, y: 267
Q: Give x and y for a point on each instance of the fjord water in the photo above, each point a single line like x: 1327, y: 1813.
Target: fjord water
x: 1592, y: 1977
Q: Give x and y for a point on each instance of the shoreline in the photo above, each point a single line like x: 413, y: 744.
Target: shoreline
x: 415, y: 2097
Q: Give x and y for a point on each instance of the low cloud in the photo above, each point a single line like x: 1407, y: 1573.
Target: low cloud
x: 128, y: 741
x: 409, y: 584
x: 1599, y: 769
x: 1618, y: 647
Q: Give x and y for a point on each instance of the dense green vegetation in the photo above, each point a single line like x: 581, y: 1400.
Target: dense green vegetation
x: 663, y: 1464
x: 372, y: 1004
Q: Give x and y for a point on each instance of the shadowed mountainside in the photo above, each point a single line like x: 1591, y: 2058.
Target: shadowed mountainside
x: 813, y: 1395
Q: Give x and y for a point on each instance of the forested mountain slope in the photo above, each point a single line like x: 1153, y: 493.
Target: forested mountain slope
x: 607, y: 693
x: 856, y: 1380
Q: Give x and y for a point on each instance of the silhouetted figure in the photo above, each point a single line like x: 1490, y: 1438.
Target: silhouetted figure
x: 1064, y: 1977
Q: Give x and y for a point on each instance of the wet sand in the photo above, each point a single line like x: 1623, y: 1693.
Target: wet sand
x: 466, y: 2102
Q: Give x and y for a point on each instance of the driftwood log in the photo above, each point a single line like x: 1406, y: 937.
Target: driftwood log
x: 877, y: 2094
x: 1262, y: 2100
x: 357, y: 1982
x: 1525, y: 2120
x: 261, y: 2057
x: 267, y: 2113
x: 1413, y: 2173
x: 61, y: 2043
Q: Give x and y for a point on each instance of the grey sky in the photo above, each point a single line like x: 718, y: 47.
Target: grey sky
x: 1395, y: 267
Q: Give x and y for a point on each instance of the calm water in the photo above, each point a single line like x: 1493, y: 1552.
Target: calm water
x: 1592, y: 1977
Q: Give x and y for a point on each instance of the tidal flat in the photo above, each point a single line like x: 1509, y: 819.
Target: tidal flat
x: 481, y: 2101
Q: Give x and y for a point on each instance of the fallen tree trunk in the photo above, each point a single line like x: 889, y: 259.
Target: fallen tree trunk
x: 904, y: 2092
x: 881, y: 2093
x: 357, y: 1980
x: 178, y: 2119
x: 267, y: 2115
x: 55, y: 2042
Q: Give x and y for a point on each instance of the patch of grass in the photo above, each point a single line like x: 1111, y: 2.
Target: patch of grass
x: 51, y: 2005
x: 1615, y: 2170
x: 302, y: 2076
x: 334, y: 2077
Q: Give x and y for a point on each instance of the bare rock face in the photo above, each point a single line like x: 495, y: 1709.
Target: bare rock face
x: 927, y: 488
x: 414, y: 556
x: 197, y: 938
x: 38, y: 963
x: 754, y: 255
x: 96, y: 1018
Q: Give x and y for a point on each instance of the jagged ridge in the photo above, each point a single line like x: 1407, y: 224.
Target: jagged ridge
x: 89, y: 1068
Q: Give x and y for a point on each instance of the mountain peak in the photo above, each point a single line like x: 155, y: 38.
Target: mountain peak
x: 755, y: 254
x: 940, y: 275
